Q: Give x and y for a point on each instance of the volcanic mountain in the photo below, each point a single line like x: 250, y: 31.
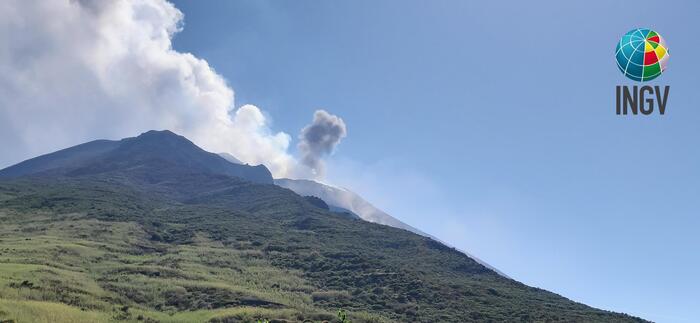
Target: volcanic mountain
x: 155, y: 229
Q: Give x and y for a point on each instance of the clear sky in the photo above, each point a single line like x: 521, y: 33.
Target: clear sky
x: 491, y: 125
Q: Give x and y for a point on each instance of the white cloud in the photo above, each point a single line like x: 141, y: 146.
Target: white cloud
x: 73, y: 71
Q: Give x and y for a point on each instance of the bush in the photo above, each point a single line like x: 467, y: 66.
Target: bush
x: 330, y: 296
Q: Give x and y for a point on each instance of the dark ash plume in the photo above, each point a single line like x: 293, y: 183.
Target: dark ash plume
x: 319, y: 139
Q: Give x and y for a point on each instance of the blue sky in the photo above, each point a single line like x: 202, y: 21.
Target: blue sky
x: 492, y: 125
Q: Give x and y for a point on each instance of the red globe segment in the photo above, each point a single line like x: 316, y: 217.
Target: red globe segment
x: 650, y: 58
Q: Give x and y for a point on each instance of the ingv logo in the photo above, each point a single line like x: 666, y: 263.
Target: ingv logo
x: 642, y: 55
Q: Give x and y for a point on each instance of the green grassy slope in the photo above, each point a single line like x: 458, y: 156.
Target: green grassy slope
x: 156, y: 230
x: 158, y: 244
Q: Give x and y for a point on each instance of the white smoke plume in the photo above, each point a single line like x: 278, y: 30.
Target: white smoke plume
x: 319, y: 140
x: 73, y: 71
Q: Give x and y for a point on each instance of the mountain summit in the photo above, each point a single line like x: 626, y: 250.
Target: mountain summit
x: 162, y: 148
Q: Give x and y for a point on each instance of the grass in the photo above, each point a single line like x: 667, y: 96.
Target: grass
x: 213, y: 249
x: 83, y: 269
x: 47, y: 312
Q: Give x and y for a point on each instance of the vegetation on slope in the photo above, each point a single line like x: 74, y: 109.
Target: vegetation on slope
x: 95, y: 249
x: 156, y: 230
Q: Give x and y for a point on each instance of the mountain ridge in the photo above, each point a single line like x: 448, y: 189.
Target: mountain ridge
x: 165, y: 145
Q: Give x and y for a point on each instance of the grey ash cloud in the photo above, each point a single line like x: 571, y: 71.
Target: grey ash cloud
x: 319, y: 139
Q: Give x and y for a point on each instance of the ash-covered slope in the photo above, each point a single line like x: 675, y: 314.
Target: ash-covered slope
x: 345, y: 199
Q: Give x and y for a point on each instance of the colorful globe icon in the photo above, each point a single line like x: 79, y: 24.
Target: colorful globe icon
x: 642, y: 54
